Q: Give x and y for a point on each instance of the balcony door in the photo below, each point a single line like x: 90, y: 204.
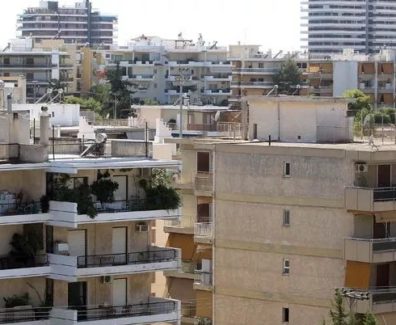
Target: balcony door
x: 119, y: 245
x: 384, y: 176
x: 121, y: 194
x: 119, y: 292
x: 382, y: 276
x: 77, y: 298
x: 77, y: 240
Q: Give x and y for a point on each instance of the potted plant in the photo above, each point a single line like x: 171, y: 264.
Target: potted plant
x: 103, y: 188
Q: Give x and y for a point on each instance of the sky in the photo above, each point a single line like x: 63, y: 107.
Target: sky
x: 273, y: 24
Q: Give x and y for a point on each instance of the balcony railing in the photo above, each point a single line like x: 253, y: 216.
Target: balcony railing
x: 153, y: 256
x: 370, y: 250
x: 136, y: 310
x: 370, y: 199
x: 384, y: 194
x: 379, y: 301
x: 14, y: 262
x: 121, y: 206
x: 203, y: 230
x: 204, y: 181
x: 8, y: 209
x: 24, y: 314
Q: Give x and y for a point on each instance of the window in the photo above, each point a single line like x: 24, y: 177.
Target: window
x: 286, y: 169
x: 285, y: 315
x: 203, y: 162
x: 286, y: 267
x: 286, y: 218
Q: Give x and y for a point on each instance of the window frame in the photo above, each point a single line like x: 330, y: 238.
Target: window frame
x: 286, y: 169
x: 285, y: 315
x: 286, y: 218
x: 285, y: 266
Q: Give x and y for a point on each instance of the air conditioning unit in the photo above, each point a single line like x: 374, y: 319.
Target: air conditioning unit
x: 141, y: 227
x: 106, y: 279
x: 61, y: 248
x: 361, y: 168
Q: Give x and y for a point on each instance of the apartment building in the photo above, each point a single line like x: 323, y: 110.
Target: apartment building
x: 274, y: 228
x: 156, y: 68
x: 78, y: 24
x: 39, y: 66
x: 253, y: 72
x: 362, y: 25
x: 63, y: 263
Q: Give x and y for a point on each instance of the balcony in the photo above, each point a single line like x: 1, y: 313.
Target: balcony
x: 155, y: 311
x: 25, y: 315
x: 70, y: 268
x: 187, y: 271
x: 370, y: 199
x: 185, y: 225
x: 18, y: 213
x: 64, y: 214
x: 13, y: 267
x: 188, y: 312
x: 379, y: 301
x: 204, y: 282
x: 203, y: 232
x: 370, y: 250
x: 203, y: 184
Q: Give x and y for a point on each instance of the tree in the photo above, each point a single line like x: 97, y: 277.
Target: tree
x: 288, y: 77
x: 340, y: 316
x: 120, y: 93
x: 361, y: 100
x: 86, y: 103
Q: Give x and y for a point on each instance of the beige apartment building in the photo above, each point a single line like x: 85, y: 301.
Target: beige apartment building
x: 64, y: 263
x: 278, y: 227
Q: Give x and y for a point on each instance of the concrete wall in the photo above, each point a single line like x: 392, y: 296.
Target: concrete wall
x: 251, y: 242
x: 299, y: 121
x: 61, y: 114
x: 345, y: 76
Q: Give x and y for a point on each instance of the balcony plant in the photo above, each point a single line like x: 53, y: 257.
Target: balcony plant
x: 103, y: 188
x: 80, y: 195
x: 159, y: 194
x: 17, y: 300
x: 24, y: 247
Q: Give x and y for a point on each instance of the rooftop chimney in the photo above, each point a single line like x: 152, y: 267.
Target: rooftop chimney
x: 44, y: 126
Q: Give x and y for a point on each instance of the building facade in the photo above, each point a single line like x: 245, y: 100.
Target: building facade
x: 78, y: 24
x: 156, y: 68
x: 78, y: 265
x: 363, y: 25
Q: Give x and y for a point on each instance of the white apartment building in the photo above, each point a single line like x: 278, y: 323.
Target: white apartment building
x: 363, y: 25
x: 78, y: 24
x: 58, y: 264
x: 156, y: 68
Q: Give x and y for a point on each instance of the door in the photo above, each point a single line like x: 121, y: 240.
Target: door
x: 203, y: 212
x: 77, y: 245
x: 381, y: 229
x: 382, y: 276
x: 119, y: 245
x: 119, y: 293
x: 384, y: 176
x: 121, y: 194
x: 77, y: 298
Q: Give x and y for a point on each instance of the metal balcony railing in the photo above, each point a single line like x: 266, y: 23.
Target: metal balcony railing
x: 19, y: 262
x: 205, y: 278
x: 24, y: 314
x: 203, y: 229
x: 9, y: 209
x: 108, y: 312
x: 384, y: 194
x: 153, y: 256
x: 121, y: 206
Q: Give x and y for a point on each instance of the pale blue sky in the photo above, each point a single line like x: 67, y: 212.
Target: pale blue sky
x: 271, y: 23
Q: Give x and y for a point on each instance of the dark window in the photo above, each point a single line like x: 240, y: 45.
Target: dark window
x: 285, y: 315
x: 203, y: 162
x: 203, y: 212
x: 286, y: 169
x: 49, y: 239
x: 286, y: 217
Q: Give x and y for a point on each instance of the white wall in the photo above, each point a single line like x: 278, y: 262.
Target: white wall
x: 61, y: 114
x: 345, y: 76
x: 299, y: 121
